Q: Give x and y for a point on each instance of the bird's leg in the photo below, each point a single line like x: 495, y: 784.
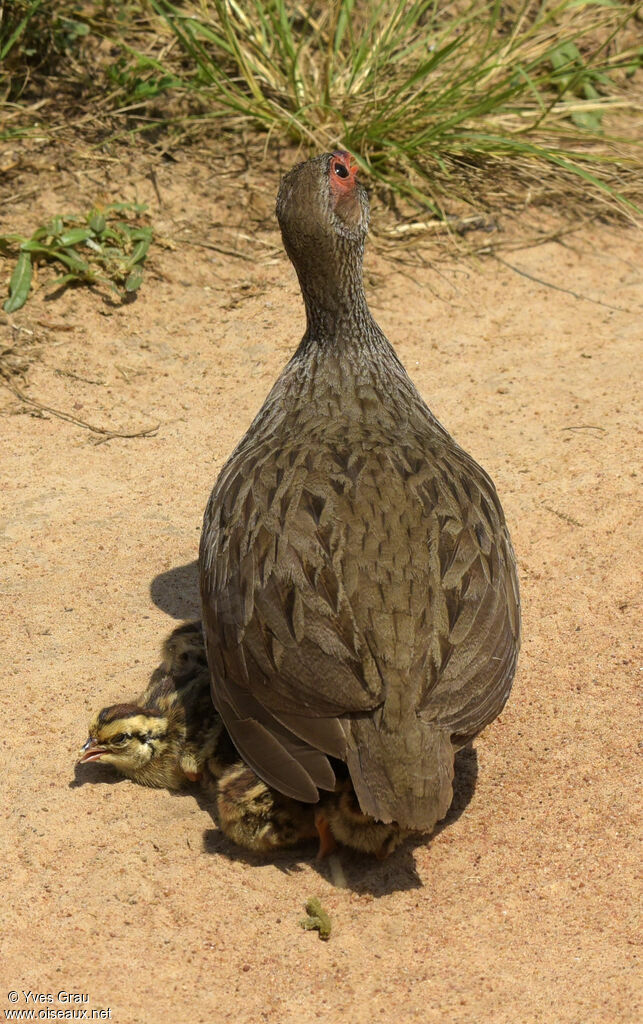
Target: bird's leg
x: 327, y: 842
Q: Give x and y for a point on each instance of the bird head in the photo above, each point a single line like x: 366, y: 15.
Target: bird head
x: 132, y: 739
x: 322, y: 198
x: 323, y: 214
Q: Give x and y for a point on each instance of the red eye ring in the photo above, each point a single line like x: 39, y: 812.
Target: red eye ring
x: 343, y: 170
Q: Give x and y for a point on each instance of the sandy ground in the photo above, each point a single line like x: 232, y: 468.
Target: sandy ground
x: 522, y: 906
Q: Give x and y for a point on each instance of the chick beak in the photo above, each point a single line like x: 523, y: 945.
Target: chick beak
x: 91, y: 751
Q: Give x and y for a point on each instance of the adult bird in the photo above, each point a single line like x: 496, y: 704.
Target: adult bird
x: 359, y: 589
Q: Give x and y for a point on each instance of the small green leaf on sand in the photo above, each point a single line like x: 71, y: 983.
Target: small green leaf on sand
x: 134, y: 279
x: 20, y: 283
x: 317, y: 919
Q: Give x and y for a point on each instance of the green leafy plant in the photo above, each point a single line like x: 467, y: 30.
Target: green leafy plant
x: 98, y: 248
x: 572, y: 75
x: 33, y: 36
x: 418, y: 91
x: 140, y: 77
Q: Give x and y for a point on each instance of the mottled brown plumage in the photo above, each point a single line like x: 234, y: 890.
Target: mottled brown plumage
x: 358, y: 583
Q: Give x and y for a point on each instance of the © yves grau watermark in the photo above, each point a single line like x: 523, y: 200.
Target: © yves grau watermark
x: 61, y: 1005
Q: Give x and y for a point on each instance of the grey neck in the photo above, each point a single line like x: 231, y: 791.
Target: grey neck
x: 337, y: 314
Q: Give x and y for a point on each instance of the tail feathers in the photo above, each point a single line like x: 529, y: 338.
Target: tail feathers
x: 404, y: 778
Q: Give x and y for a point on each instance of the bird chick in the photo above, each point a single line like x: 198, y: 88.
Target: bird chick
x: 172, y: 735
x: 339, y: 820
x: 257, y: 817
x: 164, y: 738
x: 260, y: 818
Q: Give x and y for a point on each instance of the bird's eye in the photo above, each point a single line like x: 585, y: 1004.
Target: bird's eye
x: 120, y: 737
x: 340, y: 170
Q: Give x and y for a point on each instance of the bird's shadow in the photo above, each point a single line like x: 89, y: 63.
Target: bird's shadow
x: 95, y: 774
x: 363, y: 875
x: 176, y: 592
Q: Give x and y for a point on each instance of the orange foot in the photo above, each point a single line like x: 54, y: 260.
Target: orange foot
x: 193, y: 776
x: 327, y: 842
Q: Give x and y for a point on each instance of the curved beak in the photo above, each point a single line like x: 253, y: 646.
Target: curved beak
x: 90, y: 751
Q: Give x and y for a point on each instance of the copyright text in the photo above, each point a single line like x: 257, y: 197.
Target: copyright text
x: 41, y: 1006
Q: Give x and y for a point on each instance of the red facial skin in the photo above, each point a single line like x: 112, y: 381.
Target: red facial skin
x: 343, y: 171
x: 343, y: 175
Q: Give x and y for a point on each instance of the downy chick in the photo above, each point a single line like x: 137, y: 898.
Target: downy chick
x: 164, y: 738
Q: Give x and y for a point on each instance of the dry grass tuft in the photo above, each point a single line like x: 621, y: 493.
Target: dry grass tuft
x: 476, y: 104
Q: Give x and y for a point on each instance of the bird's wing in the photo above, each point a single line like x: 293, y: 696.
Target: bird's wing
x: 477, y: 615
x: 445, y: 639
x: 287, y: 657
